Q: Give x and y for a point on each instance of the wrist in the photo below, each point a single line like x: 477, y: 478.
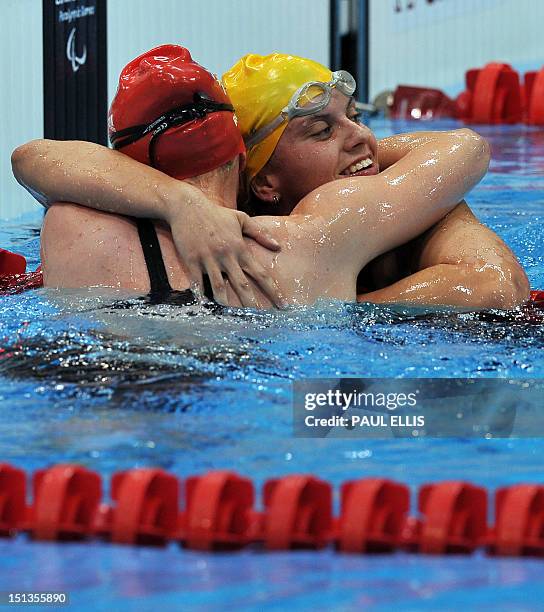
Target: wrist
x: 174, y: 195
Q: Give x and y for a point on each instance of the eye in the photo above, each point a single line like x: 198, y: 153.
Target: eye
x: 322, y: 130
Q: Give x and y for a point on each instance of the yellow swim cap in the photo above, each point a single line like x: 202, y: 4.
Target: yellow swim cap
x: 259, y: 87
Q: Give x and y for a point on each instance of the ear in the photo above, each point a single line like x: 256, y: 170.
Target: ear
x: 265, y: 186
x: 242, y: 162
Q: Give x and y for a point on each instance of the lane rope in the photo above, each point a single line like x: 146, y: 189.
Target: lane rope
x: 218, y: 512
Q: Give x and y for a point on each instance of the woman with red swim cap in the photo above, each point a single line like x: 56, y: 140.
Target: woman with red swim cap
x: 350, y: 217
x: 172, y: 114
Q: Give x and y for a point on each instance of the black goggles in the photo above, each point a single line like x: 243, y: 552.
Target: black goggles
x: 198, y: 109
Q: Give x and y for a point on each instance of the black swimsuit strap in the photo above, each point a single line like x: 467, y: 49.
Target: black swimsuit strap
x: 160, y: 288
x: 158, y: 278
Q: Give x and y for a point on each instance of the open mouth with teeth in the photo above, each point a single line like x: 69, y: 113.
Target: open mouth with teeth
x: 361, y: 168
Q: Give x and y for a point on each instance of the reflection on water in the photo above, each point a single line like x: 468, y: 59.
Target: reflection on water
x: 123, y: 578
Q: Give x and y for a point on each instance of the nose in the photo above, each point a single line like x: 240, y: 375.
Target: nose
x: 357, y: 134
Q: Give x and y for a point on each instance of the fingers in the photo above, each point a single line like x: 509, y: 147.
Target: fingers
x: 195, y: 278
x: 253, y: 229
x: 238, y: 277
x: 265, y: 282
x: 211, y: 266
x: 217, y: 281
x: 239, y: 282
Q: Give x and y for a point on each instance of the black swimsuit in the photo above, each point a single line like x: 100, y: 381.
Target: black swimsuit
x: 161, y: 291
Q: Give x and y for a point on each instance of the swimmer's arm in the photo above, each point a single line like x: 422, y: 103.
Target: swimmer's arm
x: 208, y: 237
x: 458, y: 285
x: 461, y: 263
x: 393, y: 148
x: 393, y: 207
x: 91, y: 175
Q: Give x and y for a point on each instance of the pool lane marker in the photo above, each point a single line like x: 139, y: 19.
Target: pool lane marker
x: 219, y: 513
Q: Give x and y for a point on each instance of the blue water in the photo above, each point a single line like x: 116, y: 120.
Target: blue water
x: 190, y: 389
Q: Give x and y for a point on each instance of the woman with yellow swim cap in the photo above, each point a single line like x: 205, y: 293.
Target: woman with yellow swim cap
x: 301, y: 131
x: 268, y: 93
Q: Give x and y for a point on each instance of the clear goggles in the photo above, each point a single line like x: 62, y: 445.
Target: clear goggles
x: 309, y: 99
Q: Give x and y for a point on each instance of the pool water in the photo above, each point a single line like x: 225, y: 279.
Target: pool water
x: 113, y: 382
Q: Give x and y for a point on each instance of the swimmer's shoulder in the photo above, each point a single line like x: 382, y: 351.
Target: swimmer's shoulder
x: 74, y: 220
x: 84, y: 229
x: 303, y: 268
x: 83, y: 247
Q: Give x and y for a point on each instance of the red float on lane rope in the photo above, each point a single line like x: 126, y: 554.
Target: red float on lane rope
x: 534, y: 97
x: 219, y: 512
x: 493, y: 95
x: 537, y: 297
x: 145, y: 509
x: 13, y: 278
x: 298, y: 513
x: 66, y: 499
x: 519, y: 521
x: 373, y: 514
x: 12, y: 499
x: 453, y: 519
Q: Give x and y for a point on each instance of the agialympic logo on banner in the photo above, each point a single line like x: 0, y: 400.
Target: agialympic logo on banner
x: 75, y: 60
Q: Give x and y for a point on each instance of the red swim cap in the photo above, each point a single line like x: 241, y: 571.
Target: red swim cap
x: 169, y: 112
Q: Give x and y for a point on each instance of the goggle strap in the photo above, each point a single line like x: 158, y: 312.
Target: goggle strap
x: 261, y: 134
x: 198, y: 109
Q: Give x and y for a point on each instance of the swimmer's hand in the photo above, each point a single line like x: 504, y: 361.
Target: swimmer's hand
x: 209, y: 240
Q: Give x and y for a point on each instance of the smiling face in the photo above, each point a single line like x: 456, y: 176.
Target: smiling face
x: 315, y: 150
